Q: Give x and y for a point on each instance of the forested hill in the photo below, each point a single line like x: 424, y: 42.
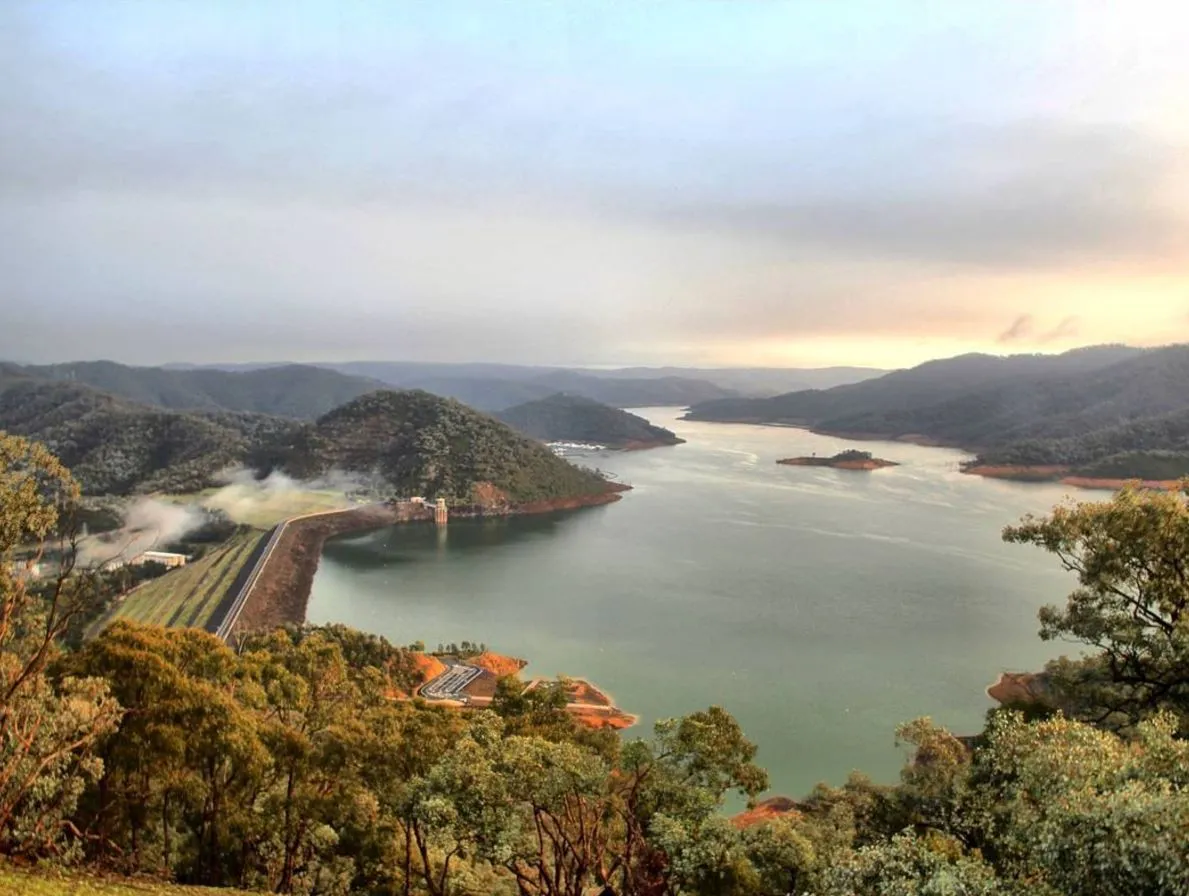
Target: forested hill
x: 420, y: 444
x: 564, y: 417
x: 289, y: 390
x: 1105, y: 407
x: 408, y: 442
x: 117, y: 447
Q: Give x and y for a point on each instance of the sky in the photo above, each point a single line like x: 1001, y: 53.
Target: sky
x: 747, y: 183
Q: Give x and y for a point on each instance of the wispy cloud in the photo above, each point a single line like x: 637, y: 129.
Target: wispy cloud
x: 1022, y: 326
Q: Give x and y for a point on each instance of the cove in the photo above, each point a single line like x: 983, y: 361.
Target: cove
x: 821, y: 607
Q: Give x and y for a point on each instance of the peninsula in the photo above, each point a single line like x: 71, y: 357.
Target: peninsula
x: 573, y: 418
x: 471, y: 680
x: 843, y: 460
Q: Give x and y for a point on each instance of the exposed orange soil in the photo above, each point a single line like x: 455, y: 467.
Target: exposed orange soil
x: 428, y: 666
x: 612, y: 718
x: 582, y: 691
x: 497, y: 664
x: 494, y: 504
x: 1057, y: 473
x: 1017, y: 687
x: 776, y: 807
x: 589, y: 705
x: 594, y: 708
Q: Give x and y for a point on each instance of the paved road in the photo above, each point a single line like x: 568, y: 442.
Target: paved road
x: 227, y: 624
x: 450, y: 684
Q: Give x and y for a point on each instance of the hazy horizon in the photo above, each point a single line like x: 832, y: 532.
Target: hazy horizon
x: 483, y: 362
x: 693, y: 184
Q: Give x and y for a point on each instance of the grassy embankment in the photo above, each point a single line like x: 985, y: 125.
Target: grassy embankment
x: 188, y: 596
x: 55, y: 883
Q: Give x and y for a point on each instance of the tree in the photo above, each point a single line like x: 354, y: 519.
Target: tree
x: 1131, y: 558
x: 48, y: 730
x: 314, y: 731
x: 679, y: 781
x: 184, y: 770
x: 1086, y: 811
x: 909, y: 865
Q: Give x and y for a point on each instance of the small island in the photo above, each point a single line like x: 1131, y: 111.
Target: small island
x: 851, y: 459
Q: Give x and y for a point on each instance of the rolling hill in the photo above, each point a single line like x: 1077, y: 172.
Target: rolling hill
x: 415, y: 443
x: 1106, y: 407
x: 564, y: 417
x: 289, y: 390
x: 115, y: 446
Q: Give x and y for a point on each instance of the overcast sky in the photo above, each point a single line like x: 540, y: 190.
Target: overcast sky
x: 722, y: 183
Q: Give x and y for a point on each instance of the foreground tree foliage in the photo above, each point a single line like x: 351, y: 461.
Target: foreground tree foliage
x: 293, y: 764
x: 1131, y: 558
x: 48, y: 727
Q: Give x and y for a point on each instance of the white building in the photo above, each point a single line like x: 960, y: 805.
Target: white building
x: 163, y: 557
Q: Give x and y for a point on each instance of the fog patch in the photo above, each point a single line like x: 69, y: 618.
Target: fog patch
x: 148, y: 524
x: 247, y: 499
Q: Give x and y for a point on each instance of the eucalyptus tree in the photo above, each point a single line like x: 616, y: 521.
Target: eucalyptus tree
x: 1131, y: 558
x: 48, y: 730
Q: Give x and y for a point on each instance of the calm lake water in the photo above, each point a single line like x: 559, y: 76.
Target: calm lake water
x: 821, y: 607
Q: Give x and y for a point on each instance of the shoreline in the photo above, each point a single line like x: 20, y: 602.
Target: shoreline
x: 1037, y: 473
x: 1051, y: 473
x: 646, y: 445
x: 282, y: 591
x: 589, y: 704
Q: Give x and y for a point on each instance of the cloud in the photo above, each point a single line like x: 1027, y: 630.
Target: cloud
x: 204, y: 186
x: 1020, y: 328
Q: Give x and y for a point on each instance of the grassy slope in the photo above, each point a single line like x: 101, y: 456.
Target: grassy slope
x: 188, y: 596
x: 14, y: 882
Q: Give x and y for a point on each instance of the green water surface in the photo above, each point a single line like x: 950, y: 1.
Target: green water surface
x: 821, y: 607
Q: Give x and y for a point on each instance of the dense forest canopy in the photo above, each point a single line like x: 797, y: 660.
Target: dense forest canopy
x: 117, y: 447
x: 403, y: 443
x: 420, y: 444
x: 292, y: 764
x: 284, y: 390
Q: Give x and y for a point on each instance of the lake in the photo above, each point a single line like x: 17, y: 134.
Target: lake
x: 820, y: 607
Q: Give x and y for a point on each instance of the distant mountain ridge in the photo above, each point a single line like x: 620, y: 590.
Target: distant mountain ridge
x: 289, y: 390
x: 494, y: 387
x: 498, y: 386
x: 565, y: 417
x: 1089, y: 408
x: 114, y: 446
